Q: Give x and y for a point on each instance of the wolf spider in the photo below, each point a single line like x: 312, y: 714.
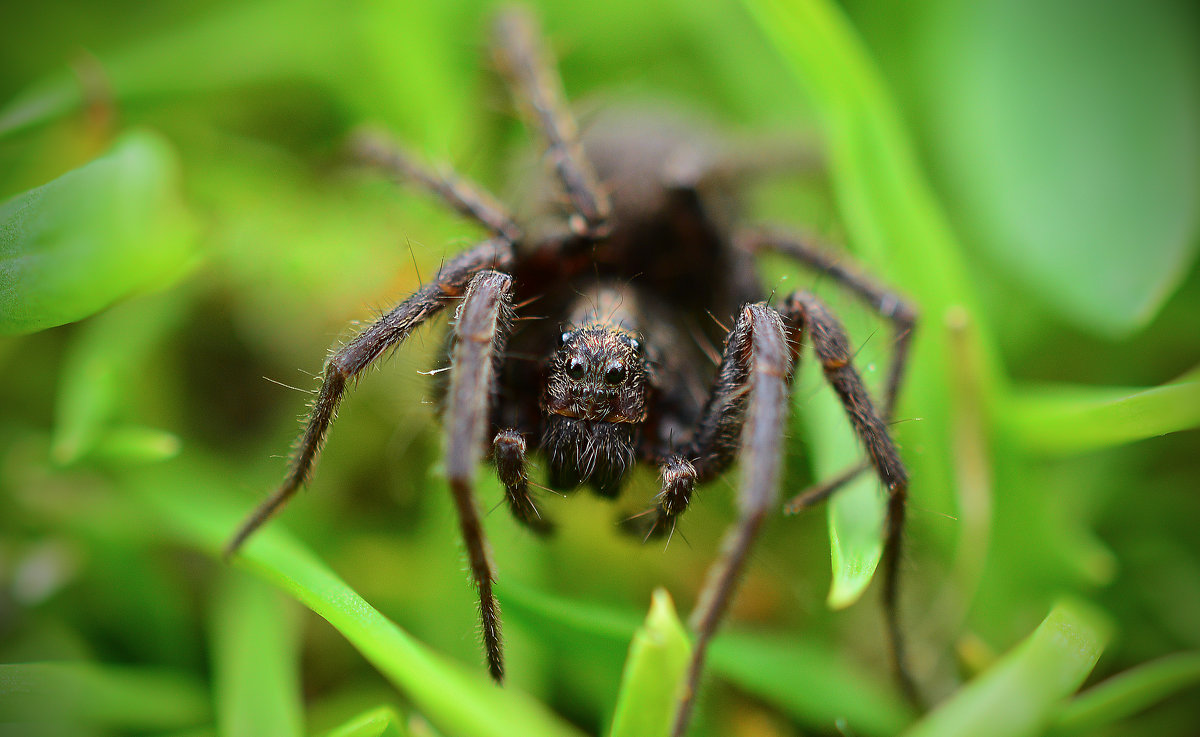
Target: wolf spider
x: 630, y: 251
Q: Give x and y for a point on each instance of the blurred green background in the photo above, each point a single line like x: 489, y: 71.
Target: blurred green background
x: 181, y: 242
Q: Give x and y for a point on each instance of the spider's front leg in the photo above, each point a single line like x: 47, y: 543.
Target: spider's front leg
x: 479, y: 332
x: 750, y: 400
x: 349, y: 362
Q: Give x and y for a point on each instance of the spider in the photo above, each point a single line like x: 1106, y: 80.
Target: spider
x: 631, y: 251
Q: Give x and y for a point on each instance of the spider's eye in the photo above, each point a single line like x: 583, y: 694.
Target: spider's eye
x: 637, y: 346
x: 575, y: 369
x: 615, y: 374
x: 563, y: 338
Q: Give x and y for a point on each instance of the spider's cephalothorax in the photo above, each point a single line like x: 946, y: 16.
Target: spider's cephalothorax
x: 632, y: 257
x: 593, y: 405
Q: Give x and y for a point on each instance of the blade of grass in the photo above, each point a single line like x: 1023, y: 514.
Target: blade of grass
x: 255, y: 646
x: 108, y: 696
x: 1127, y: 693
x: 381, y: 722
x: 1062, y: 420
x: 458, y: 701
x: 100, y: 375
x: 658, y: 658
x: 898, y: 228
x: 1019, y: 695
x: 809, y: 681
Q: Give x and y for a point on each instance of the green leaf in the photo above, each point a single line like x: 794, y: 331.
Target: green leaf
x: 111, y: 228
x: 1062, y: 420
x: 256, y: 660
x: 658, y: 659
x: 102, y: 371
x: 804, y: 677
x: 381, y: 722
x: 898, y: 229
x: 810, y: 681
x: 1127, y: 693
x: 1019, y: 695
x: 118, y: 698
x: 1069, y: 135
x: 456, y: 699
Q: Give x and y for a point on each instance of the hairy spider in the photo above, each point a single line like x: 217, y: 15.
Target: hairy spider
x: 631, y: 251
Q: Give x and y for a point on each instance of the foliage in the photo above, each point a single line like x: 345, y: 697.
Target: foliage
x: 179, y: 235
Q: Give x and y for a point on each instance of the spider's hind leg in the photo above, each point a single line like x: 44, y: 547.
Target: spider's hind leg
x: 461, y: 194
x: 530, y: 71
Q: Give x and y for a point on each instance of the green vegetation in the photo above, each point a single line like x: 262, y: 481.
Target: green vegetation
x: 181, y: 242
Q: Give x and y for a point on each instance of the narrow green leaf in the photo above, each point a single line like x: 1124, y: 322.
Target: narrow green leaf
x: 381, y: 722
x: 128, y: 445
x: 898, y: 229
x: 805, y: 678
x: 456, y: 699
x: 1018, y: 696
x: 812, y: 682
x: 108, y: 229
x: 103, y: 369
x: 256, y: 660
x: 1061, y: 420
x: 658, y: 659
x: 110, y: 696
x: 1127, y: 693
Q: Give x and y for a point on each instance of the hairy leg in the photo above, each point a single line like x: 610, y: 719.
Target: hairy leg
x: 479, y: 331
x: 531, y: 73
x: 374, y: 149
x: 886, y: 302
x: 832, y: 349
x: 753, y: 402
x: 349, y: 362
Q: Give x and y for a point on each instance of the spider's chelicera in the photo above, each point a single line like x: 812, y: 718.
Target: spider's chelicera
x: 630, y: 254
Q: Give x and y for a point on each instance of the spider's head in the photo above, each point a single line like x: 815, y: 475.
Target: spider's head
x: 598, y: 374
x: 594, y: 402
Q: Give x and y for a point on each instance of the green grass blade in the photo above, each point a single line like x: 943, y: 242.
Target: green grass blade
x: 255, y: 646
x: 100, y: 376
x: 812, y: 683
x: 658, y: 659
x: 111, y: 228
x: 1062, y: 420
x: 1127, y: 693
x: 899, y: 230
x: 1019, y: 695
x: 381, y: 722
x: 457, y: 700
x: 109, y: 696
x: 808, y: 680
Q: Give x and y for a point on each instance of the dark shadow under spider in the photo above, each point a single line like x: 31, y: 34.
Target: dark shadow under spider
x: 629, y: 251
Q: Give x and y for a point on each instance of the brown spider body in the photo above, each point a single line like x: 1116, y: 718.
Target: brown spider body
x: 593, y: 328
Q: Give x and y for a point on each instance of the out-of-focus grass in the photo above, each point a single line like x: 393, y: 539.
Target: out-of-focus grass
x: 177, y: 190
